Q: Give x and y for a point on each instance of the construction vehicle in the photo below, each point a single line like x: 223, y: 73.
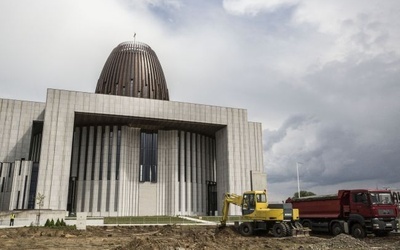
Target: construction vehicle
x: 258, y: 215
x: 357, y: 212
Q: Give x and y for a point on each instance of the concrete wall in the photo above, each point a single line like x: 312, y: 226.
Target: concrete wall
x: 16, y: 119
x: 238, y: 147
x: 30, y: 217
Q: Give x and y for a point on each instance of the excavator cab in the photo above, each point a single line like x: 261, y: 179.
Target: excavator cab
x: 253, y: 201
x: 248, y: 204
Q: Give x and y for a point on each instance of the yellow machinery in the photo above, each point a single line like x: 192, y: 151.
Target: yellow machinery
x: 281, y: 219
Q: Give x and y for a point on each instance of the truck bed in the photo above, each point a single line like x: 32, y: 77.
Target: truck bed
x: 326, y: 206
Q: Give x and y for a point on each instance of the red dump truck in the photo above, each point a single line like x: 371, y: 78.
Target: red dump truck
x: 357, y: 212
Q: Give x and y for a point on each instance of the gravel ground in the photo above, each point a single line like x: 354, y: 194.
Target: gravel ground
x: 177, y: 237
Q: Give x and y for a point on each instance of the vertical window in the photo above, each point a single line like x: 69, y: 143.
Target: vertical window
x: 110, y: 155
x: 18, y: 194
x: 10, y: 170
x: 118, y: 153
x: 148, y: 157
x: 94, y: 152
x: 20, y: 168
x: 103, y: 138
x: 2, y: 184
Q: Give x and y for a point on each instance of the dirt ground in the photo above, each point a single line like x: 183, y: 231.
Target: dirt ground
x: 177, y: 238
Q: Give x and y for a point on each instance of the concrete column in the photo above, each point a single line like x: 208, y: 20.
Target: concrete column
x: 194, y: 173
x: 199, y: 193
x: 188, y: 185
x: 103, y: 181
x: 113, y: 172
x: 182, y: 193
x: 29, y: 174
x: 204, y: 175
x: 89, y: 163
x: 96, y: 172
x: 75, y: 153
x: 161, y: 202
x: 135, y: 167
x: 81, y: 169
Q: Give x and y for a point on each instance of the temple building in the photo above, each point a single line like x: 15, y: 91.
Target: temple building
x: 125, y: 150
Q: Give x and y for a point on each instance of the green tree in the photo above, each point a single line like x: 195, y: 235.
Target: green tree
x: 39, y: 201
x: 303, y: 193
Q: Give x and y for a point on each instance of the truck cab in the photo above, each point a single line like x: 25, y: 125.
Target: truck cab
x: 374, y: 210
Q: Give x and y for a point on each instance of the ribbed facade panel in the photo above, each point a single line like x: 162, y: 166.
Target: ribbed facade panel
x: 15, y: 178
x: 105, y: 173
x: 168, y: 174
x: 129, y: 172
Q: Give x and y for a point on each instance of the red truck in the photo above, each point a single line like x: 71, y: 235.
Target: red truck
x: 357, y: 212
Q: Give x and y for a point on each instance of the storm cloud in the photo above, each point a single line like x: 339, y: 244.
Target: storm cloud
x: 323, y: 77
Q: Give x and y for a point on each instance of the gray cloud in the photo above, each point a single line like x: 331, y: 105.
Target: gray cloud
x: 321, y: 77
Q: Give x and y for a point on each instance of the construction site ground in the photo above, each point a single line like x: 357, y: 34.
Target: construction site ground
x: 177, y: 237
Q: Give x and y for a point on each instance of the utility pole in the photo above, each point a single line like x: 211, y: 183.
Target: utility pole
x: 298, y: 179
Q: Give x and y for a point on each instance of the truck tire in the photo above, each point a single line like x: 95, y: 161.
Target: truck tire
x: 279, y: 230
x: 336, y: 229
x: 246, y: 229
x: 306, y: 224
x: 358, y: 231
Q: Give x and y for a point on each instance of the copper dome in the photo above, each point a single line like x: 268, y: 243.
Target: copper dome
x: 133, y: 69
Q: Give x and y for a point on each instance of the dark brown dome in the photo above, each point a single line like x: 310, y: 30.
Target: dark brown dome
x: 133, y: 69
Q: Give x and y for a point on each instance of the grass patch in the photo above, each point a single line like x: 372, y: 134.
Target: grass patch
x: 147, y: 220
x: 166, y: 219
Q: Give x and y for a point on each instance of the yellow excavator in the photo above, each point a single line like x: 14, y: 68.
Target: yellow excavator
x: 258, y: 215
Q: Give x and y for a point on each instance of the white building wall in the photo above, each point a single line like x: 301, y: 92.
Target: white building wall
x: 232, y: 143
x: 16, y: 118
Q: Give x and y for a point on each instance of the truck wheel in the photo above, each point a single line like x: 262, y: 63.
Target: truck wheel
x: 336, y: 229
x: 246, y: 229
x: 358, y: 231
x: 307, y: 224
x: 279, y: 230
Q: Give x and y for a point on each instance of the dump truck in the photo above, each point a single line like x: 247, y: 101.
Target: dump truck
x: 258, y: 215
x: 357, y: 212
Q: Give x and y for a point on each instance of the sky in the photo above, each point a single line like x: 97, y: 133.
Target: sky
x: 323, y: 77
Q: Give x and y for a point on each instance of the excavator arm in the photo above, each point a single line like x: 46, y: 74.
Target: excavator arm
x: 229, y: 198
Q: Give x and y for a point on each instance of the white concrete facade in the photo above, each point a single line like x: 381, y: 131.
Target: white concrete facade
x: 16, y: 119
x: 187, y: 158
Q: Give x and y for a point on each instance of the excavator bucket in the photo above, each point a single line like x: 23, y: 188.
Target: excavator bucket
x: 299, y: 231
